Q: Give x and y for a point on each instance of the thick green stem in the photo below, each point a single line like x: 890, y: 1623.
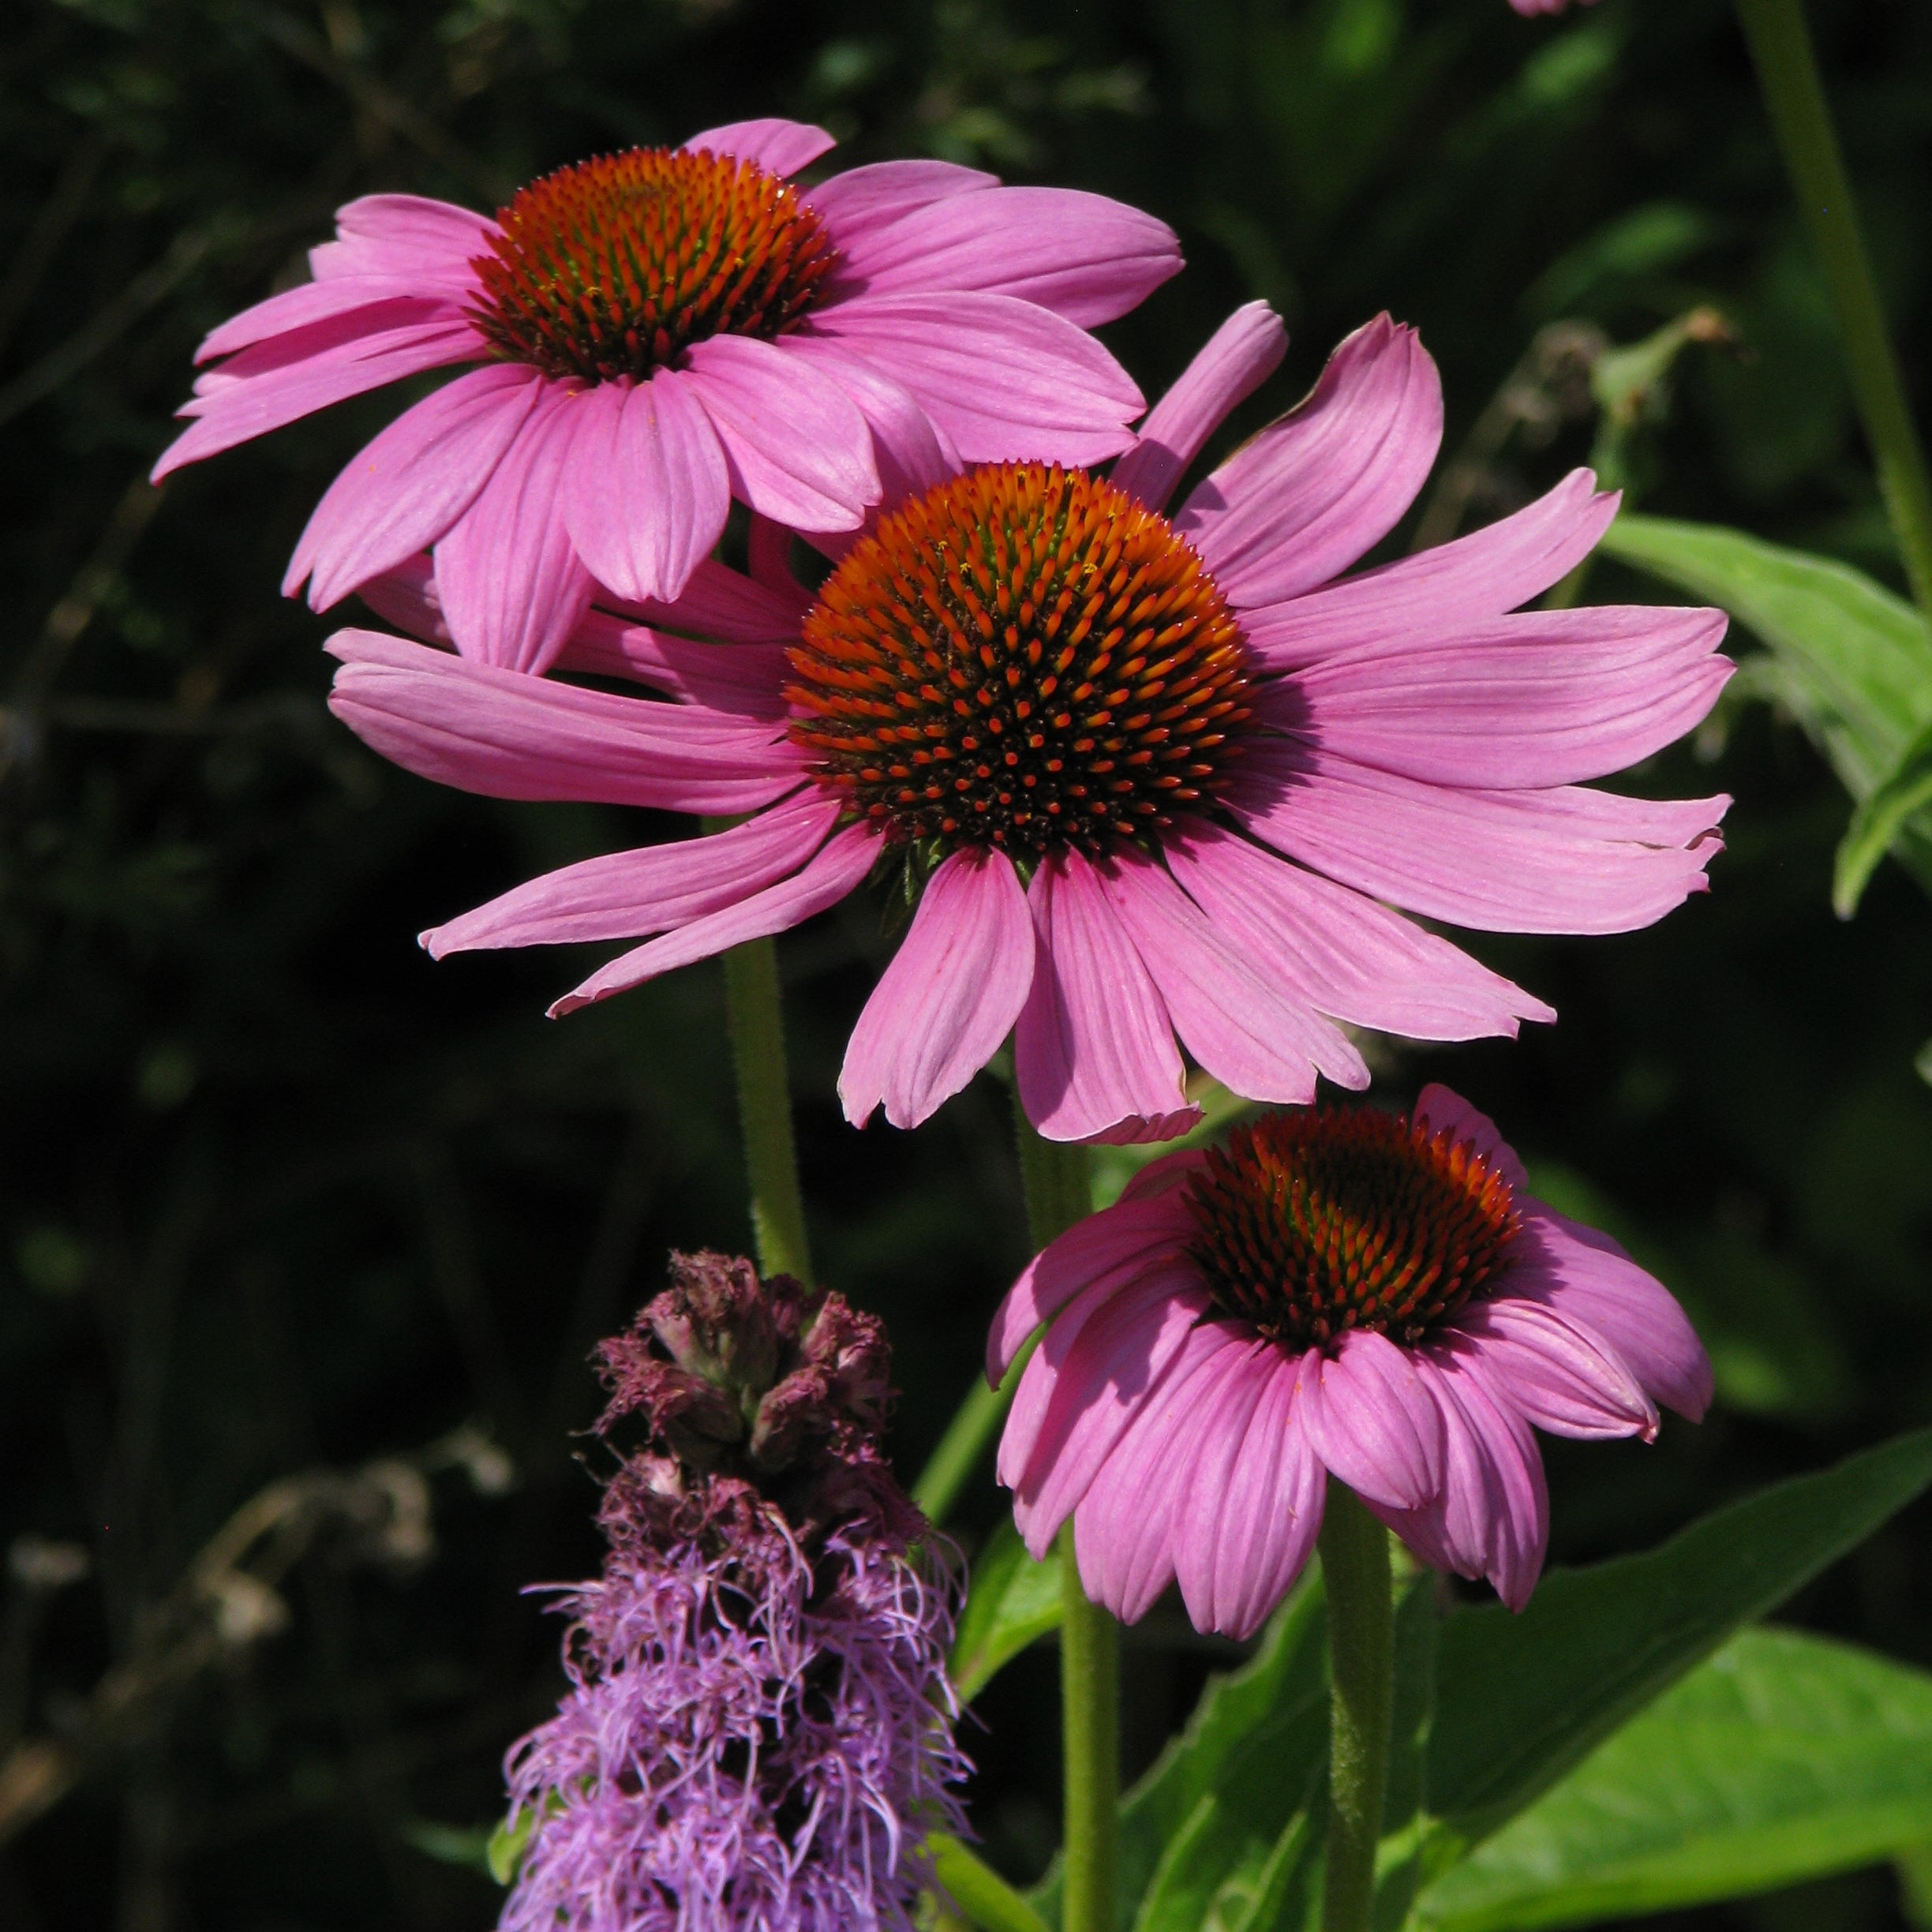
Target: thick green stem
x: 1361, y: 1628
x: 757, y: 1023
x: 1787, y: 75
x: 974, y: 1423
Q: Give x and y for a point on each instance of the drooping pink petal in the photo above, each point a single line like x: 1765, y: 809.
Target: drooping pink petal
x: 373, y: 301
x: 646, y: 491
x: 1308, y: 497
x: 627, y: 894
x: 862, y: 200
x: 1492, y: 1517
x: 949, y: 997
x: 1568, y: 859
x: 1545, y: 698
x: 841, y: 863
x: 1240, y: 356
x: 1251, y: 1505
x: 1438, y: 1110
x: 1129, y: 1522
x: 1588, y: 1278
x: 505, y: 735
x: 1354, y: 959
x: 408, y: 236
x: 912, y: 451
x: 798, y: 447
x: 1087, y: 1384
x: 748, y: 680
x: 1555, y: 1373
x: 1371, y: 1419
x: 412, y: 482
x: 1094, y: 1052
x: 234, y: 412
x: 1252, y: 1036
x: 407, y: 597
x: 778, y: 147
x: 1111, y: 1246
x: 1006, y: 381
x: 1483, y: 574
x: 1083, y: 255
x: 511, y: 583
x: 726, y: 605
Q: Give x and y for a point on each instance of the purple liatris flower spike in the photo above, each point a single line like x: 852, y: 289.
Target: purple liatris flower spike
x: 758, y: 1732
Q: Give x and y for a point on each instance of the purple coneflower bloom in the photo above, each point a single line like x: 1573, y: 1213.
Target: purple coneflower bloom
x: 757, y: 1733
x: 662, y: 330
x: 1147, y: 777
x: 1353, y: 1293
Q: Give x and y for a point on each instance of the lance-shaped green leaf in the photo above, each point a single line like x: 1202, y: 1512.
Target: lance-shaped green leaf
x: 1784, y: 1758
x: 1521, y: 1701
x: 1013, y: 1601
x: 983, y: 1897
x: 1849, y: 660
x: 1878, y: 820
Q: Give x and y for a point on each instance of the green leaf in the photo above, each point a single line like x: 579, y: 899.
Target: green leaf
x: 1851, y: 661
x: 1785, y: 1758
x: 981, y: 1894
x: 1012, y: 1601
x: 508, y: 1844
x: 451, y: 1844
x: 1522, y: 1700
x: 1878, y: 820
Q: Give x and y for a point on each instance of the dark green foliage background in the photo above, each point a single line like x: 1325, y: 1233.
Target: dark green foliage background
x: 276, y: 1192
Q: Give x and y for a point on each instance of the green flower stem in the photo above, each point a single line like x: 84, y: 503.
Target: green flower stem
x: 1059, y: 1192
x: 1361, y: 1629
x: 1794, y: 96
x: 756, y: 1022
x: 974, y: 1423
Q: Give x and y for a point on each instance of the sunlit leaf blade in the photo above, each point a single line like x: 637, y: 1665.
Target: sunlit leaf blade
x: 1012, y: 1601
x: 1784, y: 1758
x: 982, y: 1895
x: 1878, y: 820
x: 1849, y: 660
x: 1522, y: 1700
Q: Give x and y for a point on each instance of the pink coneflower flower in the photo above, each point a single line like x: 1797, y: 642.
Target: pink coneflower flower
x: 1353, y: 1293
x: 660, y: 330
x: 1146, y: 777
x: 757, y: 1733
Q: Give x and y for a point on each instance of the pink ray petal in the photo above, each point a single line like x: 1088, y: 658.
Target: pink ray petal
x: 234, y: 412
x: 1369, y: 1417
x: 1006, y: 381
x: 798, y: 448
x: 1588, y: 1278
x: 505, y: 735
x: 1128, y: 1525
x: 1483, y: 574
x: 748, y: 680
x: 1438, y: 1110
x: 1083, y: 255
x: 1252, y: 1036
x: 412, y: 482
x: 511, y: 583
x: 624, y: 895
x: 407, y: 597
x: 1567, y: 860
x: 1092, y: 1388
x: 647, y: 490
x: 727, y: 606
x: 1112, y: 1246
x: 1352, y: 959
x: 405, y: 235
x: 1553, y: 1372
x: 1251, y: 1505
x: 1094, y: 1052
x: 1309, y: 496
x: 950, y: 996
x: 1545, y: 698
x: 1240, y: 356
x: 912, y: 451
x: 858, y: 202
x: 779, y: 147
x: 1492, y: 1517
x: 366, y: 299
x: 841, y: 863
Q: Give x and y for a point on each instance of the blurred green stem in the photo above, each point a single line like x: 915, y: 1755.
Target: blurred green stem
x: 974, y: 1423
x: 1058, y: 1179
x: 757, y: 1021
x: 1794, y: 96
x: 1361, y: 1676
